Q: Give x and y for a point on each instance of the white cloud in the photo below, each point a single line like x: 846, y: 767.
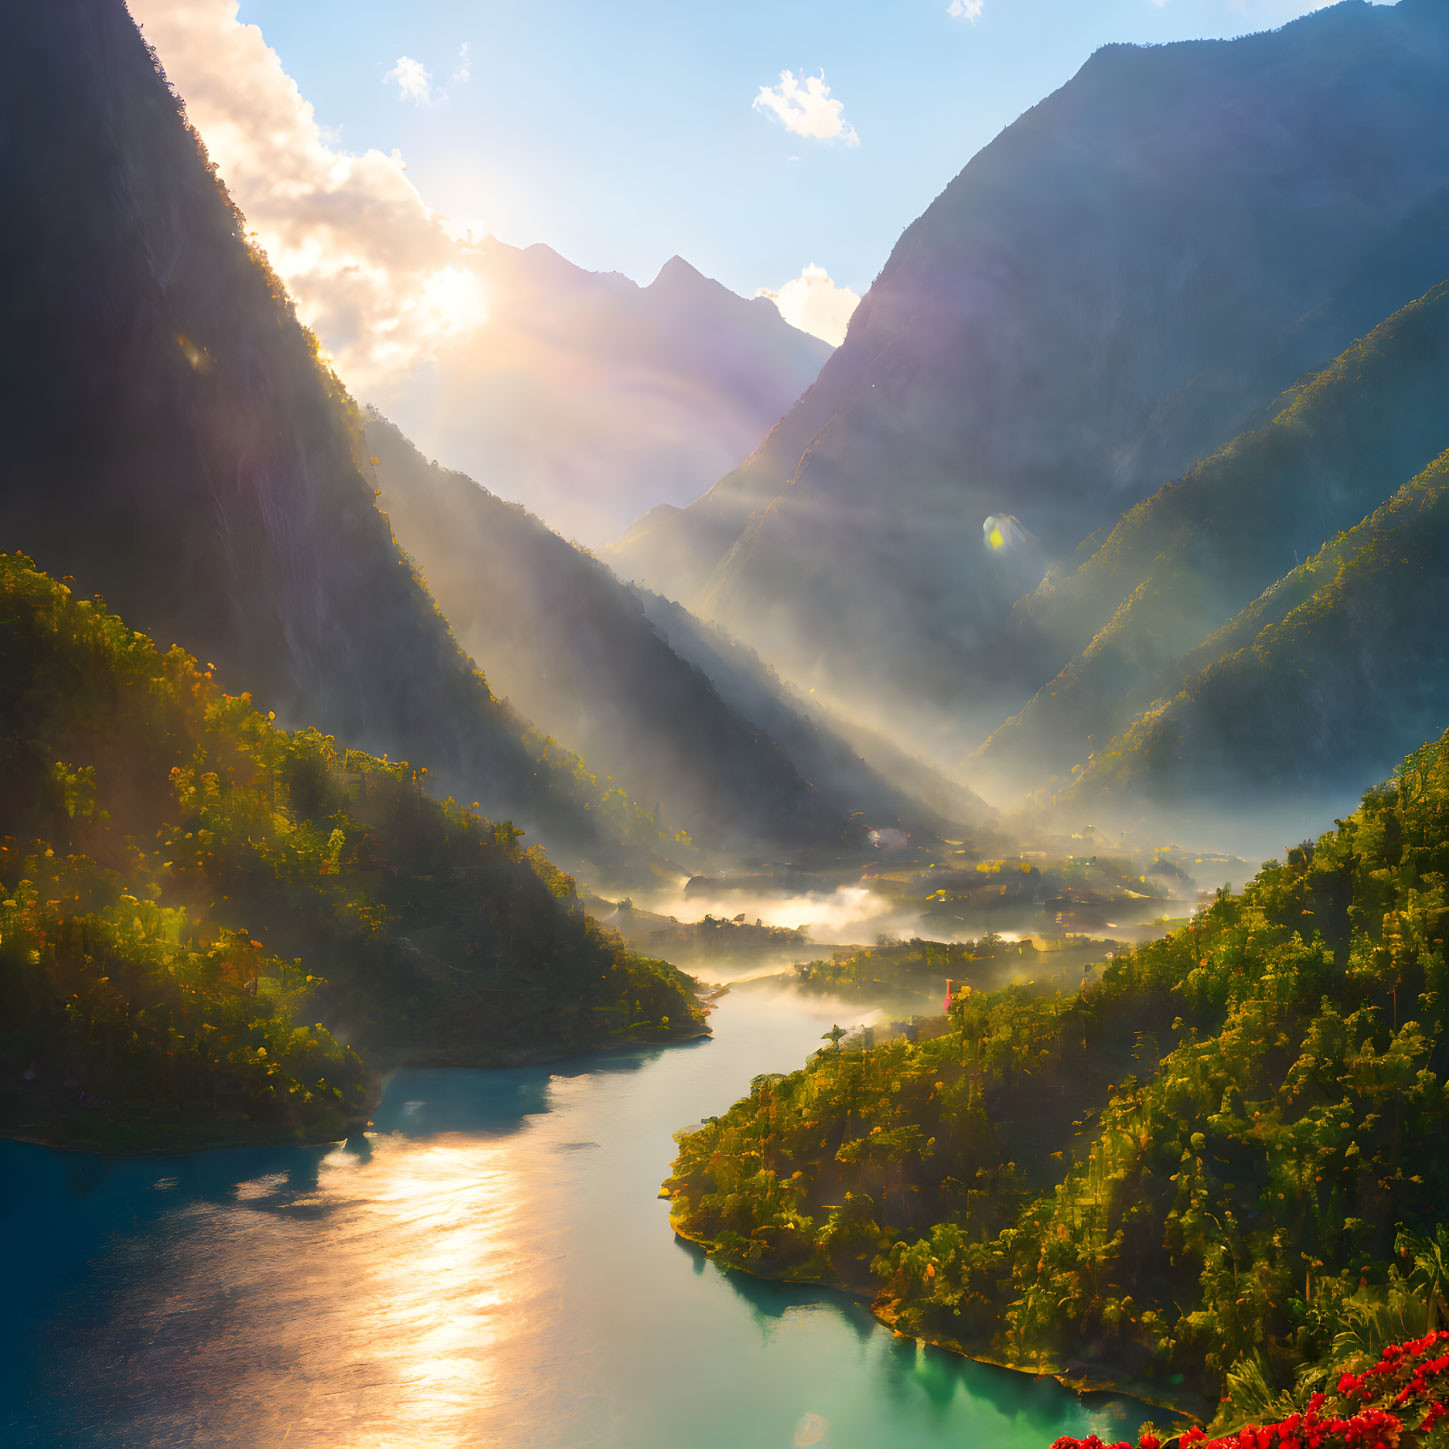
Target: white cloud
x: 381, y: 278
x: 413, y: 81
x: 814, y: 304
x: 464, y: 72
x: 971, y: 9
x: 805, y: 107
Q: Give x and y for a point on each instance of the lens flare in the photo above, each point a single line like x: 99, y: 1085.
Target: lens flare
x: 1003, y: 531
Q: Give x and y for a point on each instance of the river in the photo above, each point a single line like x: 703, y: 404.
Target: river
x: 490, y: 1267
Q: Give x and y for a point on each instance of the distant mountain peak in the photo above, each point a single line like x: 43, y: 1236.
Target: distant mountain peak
x: 591, y: 398
x: 676, y: 269
x: 678, y: 278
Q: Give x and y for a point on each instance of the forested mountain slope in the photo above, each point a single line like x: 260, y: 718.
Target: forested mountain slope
x: 1218, y: 1161
x: 1107, y: 292
x: 1333, y: 669
x: 185, y: 889
x: 172, y: 443
x: 1185, y: 561
x: 574, y: 649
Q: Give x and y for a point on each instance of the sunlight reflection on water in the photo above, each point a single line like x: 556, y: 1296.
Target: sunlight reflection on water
x: 492, y: 1267
x: 369, y: 1310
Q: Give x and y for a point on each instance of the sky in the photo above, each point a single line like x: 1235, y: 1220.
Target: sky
x: 623, y: 133
x: 779, y: 147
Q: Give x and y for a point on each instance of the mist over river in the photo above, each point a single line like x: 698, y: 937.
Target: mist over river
x: 490, y: 1267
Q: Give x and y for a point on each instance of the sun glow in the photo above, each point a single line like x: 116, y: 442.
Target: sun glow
x: 453, y: 301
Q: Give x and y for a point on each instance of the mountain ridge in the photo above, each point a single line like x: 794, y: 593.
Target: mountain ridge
x: 1186, y: 560
x: 727, y: 755
x: 1013, y: 355
x: 174, y: 443
x: 1336, y: 668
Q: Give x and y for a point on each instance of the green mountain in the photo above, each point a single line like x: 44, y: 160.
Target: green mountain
x: 737, y: 767
x: 1212, y: 1165
x: 172, y: 443
x: 1134, y: 618
x: 1108, y: 292
x: 187, y: 892
x: 1337, y: 666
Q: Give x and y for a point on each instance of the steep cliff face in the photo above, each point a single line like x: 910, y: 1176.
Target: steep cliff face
x: 172, y: 443
x: 1106, y: 293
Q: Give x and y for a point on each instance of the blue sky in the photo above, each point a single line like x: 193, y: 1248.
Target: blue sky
x: 623, y: 133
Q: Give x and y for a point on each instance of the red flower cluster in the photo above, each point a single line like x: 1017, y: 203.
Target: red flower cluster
x: 1404, y: 1363
x: 1147, y: 1441
x: 1369, y: 1429
x: 1093, y: 1442
x: 1402, y: 1378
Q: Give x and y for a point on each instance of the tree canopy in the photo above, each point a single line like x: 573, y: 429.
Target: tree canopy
x: 1214, y: 1170
x: 188, y: 891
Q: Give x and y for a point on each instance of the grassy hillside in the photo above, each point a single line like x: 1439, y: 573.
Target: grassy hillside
x: 1218, y: 1163
x: 188, y: 891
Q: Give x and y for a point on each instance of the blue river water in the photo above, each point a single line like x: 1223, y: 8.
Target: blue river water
x: 490, y: 1266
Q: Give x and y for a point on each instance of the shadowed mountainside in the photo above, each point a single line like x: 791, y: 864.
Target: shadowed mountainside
x: 1330, y: 671
x: 1110, y: 290
x: 172, y: 442
x: 720, y: 749
x: 1139, y: 613
x: 827, y: 748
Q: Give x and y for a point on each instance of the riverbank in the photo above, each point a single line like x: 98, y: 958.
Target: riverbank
x: 76, y: 1128
x: 402, y: 1059
x: 1081, y: 1380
